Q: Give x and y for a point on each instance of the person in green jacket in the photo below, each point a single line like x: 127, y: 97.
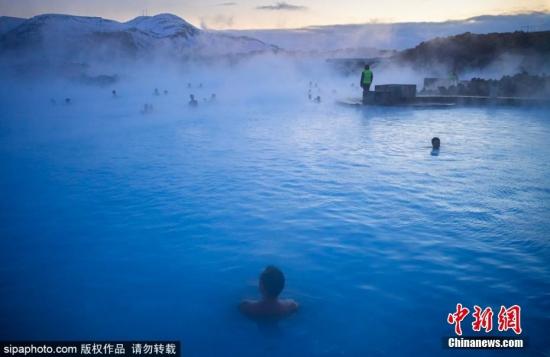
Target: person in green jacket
x: 366, y: 80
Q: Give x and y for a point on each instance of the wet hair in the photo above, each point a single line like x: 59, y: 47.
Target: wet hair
x: 272, y: 280
x: 436, y: 142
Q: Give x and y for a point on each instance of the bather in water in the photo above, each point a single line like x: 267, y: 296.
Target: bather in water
x: 147, y: 108
x: 192, y: 101
x: 271, y: 284
x: 436, y: 143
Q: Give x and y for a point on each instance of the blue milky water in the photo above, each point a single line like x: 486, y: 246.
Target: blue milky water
x: 116, y: 225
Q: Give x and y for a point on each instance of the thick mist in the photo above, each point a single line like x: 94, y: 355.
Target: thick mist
x: 72, y: 97
x: 50, y: 104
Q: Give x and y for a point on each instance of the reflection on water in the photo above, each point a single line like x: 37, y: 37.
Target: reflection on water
x: 126, y: 226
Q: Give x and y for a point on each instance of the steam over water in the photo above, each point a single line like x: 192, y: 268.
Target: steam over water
x: 118, y: 225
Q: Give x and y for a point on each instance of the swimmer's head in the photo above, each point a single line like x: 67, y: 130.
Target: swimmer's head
x: 436, y: 143
x: 272, y: 282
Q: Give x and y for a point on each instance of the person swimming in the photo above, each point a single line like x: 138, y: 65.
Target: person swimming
x: 192, y: 101
x: 114, y: 93
x: 156, y: 91
x: 436, y: 143
x: 147, y: 108
x: 271, y: 283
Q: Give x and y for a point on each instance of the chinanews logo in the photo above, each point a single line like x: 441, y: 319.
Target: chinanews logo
x: 508, y: 319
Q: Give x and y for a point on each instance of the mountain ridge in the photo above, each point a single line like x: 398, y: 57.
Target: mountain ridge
x: 393, y: 36
x: 70, y: 38
x: 526, y: 51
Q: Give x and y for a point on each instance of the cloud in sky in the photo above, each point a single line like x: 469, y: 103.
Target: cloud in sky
x: 248, y: 14
x: 282, y: 6
x: 217, y: 21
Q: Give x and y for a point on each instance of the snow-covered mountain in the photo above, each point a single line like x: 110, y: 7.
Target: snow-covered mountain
x: 395, y: 36
x: 78, y: 38
x: 8, y: 23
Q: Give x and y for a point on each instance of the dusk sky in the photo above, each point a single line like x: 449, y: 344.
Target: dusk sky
x: 256, y: 14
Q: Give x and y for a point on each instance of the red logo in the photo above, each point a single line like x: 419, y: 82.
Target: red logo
x: 508, y: 319
x: 483, y: 319
x: 457, y: 317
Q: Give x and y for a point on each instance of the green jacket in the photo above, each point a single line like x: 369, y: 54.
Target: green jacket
x: 366, y: 77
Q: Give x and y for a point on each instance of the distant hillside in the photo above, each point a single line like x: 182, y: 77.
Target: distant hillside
x: 54, y: 38
x: 528, y: 51
x: 8, y: 23
x: 519, y: 85
x: 393, y: 36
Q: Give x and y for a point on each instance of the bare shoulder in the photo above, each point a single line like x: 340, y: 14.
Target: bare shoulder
x: 290, y: 305
x: 246, y: 306
x: 260, y: 309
